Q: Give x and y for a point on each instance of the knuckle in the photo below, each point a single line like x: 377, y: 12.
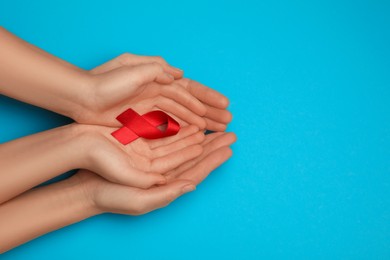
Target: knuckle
x: 159, y: 59
x: 158, y: 168
x: 125, y: 58
x: 192, y: 129
x: 199, y: 137
x: 157, y: 66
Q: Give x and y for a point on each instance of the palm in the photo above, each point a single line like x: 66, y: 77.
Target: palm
x: 120, y: 88
x: 160, y: 156
x: 129, y: 200
x: 141, y: 162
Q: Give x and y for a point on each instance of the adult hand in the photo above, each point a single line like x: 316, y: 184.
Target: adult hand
x: 116, y: 198
x: 46, y: 155
x: 143, y: 83
x: 142, y: 162
x: 98, y: 96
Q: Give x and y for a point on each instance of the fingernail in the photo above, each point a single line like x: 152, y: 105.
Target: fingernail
x: 188, y: 188
x: 180, y: 70
x: 169, y: 75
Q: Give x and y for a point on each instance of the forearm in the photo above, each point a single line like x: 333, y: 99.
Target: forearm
x: 42, y: 210
x: 29, y: 161
x: 32, y: 76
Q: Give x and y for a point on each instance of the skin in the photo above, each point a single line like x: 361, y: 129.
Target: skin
x: 86, y: 194
x: 48, y: 154
x: 98, y: 96
x: 132, y: 179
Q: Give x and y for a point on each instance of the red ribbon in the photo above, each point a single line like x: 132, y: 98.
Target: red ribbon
x: 146, y: 126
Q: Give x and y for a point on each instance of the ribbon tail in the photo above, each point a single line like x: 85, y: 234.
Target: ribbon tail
x: 124, y: 135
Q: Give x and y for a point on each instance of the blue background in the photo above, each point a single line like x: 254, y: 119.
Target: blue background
x: 309, y: 84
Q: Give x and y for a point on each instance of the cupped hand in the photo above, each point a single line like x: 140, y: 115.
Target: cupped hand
x: 149, y: 83
x: 117, y: 198
x: 140, y: 163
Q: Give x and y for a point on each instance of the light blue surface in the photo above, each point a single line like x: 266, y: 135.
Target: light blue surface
x: 309, y: 84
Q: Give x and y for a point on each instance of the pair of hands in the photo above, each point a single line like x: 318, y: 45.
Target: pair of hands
x: 180, y: 162
x: 150, y: 172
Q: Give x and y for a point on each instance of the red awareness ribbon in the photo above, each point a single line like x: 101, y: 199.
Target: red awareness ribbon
x: 145, y: 126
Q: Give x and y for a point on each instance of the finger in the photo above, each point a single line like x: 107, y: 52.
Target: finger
x: 210, y: 137
x: 176, y: 72
x: 161, y: 196
x: 226, y: 139
x: 179, y: 111
x: 205, y: 94
x: 146, y: 73
x: 213, y: 142
x: 128, y: 59
x: 213, y: 160
x: 108, y: 66
x: 214, y: 126
x: 114, y: 165
x: 179, y: 145
x: 183, y: 133
x: 218, y: 115
x: 138, y: 75
x: 181, y: 122
x: 182, y: 96
x: 173, y: 160
x: 123, y: 82
x: 123, y: 199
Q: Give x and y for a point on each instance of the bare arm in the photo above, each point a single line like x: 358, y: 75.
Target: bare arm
x: 85, y: 194
x: 41, y: 210
x: 34, y: 76
x: 29, y: 161
x: 41, y: 80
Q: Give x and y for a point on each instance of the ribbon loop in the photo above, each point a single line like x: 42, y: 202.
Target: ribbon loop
x: 145, y: 126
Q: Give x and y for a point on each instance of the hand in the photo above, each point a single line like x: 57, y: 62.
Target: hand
x: 98, y: 96
x: 147, y: 83
x: 140, y: 163
x: 116, y: 198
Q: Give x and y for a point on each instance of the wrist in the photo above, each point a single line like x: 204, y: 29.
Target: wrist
x: 82, y: 189
x: 85, y: 186
x: 87, y: 140
x: 90, y: 145
x: 74, y: 139
x: 83, y: 96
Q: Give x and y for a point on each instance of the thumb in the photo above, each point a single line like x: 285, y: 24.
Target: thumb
x: 147, y: 73
x: 127, y: 59
x: 161, y: 196
x: 123, y: 82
